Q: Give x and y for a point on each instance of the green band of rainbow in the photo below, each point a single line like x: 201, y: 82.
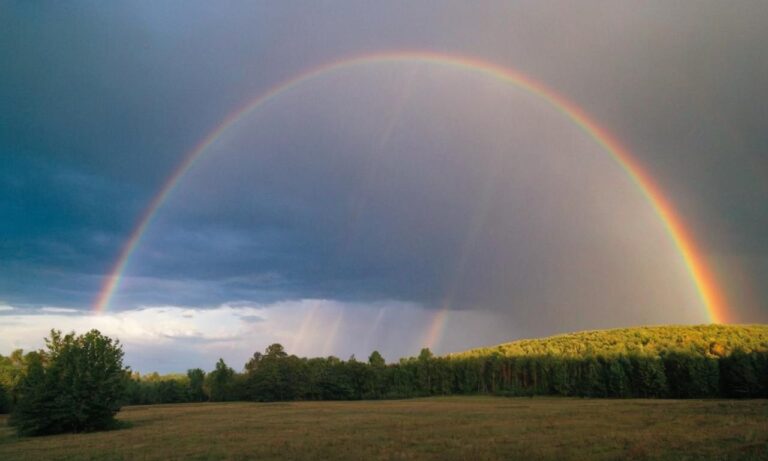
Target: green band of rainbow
x: 707, y: 288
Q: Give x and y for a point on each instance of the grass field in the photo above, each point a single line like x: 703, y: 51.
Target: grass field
x: 472, y: 428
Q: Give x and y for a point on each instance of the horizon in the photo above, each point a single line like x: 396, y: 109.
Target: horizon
x: 396, y: 360
x: 415, y: 354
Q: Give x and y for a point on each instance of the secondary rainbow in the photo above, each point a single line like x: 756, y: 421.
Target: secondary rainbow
x: 703, y: 278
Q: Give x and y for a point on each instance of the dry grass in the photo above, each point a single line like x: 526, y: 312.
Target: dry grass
x: 474, y: 428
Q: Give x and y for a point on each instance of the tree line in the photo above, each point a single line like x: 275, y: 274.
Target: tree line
x: 663, y: 362
x: 277, y: 376
x: 84, y: 375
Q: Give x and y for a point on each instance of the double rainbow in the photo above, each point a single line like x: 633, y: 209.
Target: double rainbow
x: 711, y: 296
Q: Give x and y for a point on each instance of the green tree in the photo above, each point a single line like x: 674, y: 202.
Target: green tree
x: 650, y: 380
x: 277, y: 376
x: 221, y: 382
x: 375, y: 387
x: 617, y: 379
x: 253, y: 363
x: 740, y: 375
x: 591, y: 383
x: 196, y: 378
x: 376, y: 360
x: 276, y: 351
x: 12, y: 368
x: 76, y: 385
x: 34, y: 401
x: 171, y: 391
x: 424, y: 370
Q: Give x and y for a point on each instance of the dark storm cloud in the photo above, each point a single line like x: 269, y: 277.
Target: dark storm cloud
x: 99, y: 103
x: 57, y: 230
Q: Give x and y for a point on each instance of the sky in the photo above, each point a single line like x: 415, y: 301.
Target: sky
x: 386, y: 205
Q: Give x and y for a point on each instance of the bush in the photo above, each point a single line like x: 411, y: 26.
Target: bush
x: 76, y: 385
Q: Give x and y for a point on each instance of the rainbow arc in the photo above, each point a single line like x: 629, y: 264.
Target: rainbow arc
x: 706, y: 285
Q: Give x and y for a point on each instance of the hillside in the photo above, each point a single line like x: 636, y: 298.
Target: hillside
x: 700, y: 340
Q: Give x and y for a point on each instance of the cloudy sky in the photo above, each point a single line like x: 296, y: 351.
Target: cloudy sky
x: 389, y: 206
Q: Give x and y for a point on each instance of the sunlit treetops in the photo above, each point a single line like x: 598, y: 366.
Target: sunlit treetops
x: 701, y: 340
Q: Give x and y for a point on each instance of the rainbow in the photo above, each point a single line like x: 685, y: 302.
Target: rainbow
x: 711, y: 296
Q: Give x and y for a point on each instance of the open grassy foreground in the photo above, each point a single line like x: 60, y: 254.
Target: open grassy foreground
x: 468, y: 428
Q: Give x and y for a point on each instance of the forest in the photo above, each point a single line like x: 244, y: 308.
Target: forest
x: 648, y: 362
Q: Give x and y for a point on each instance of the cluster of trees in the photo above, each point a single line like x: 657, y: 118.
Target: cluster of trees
x: 79, y: 383
x: 221, y: 384
x: 11, y: 370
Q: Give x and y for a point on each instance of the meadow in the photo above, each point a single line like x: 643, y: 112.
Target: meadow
x: 451, y: 428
